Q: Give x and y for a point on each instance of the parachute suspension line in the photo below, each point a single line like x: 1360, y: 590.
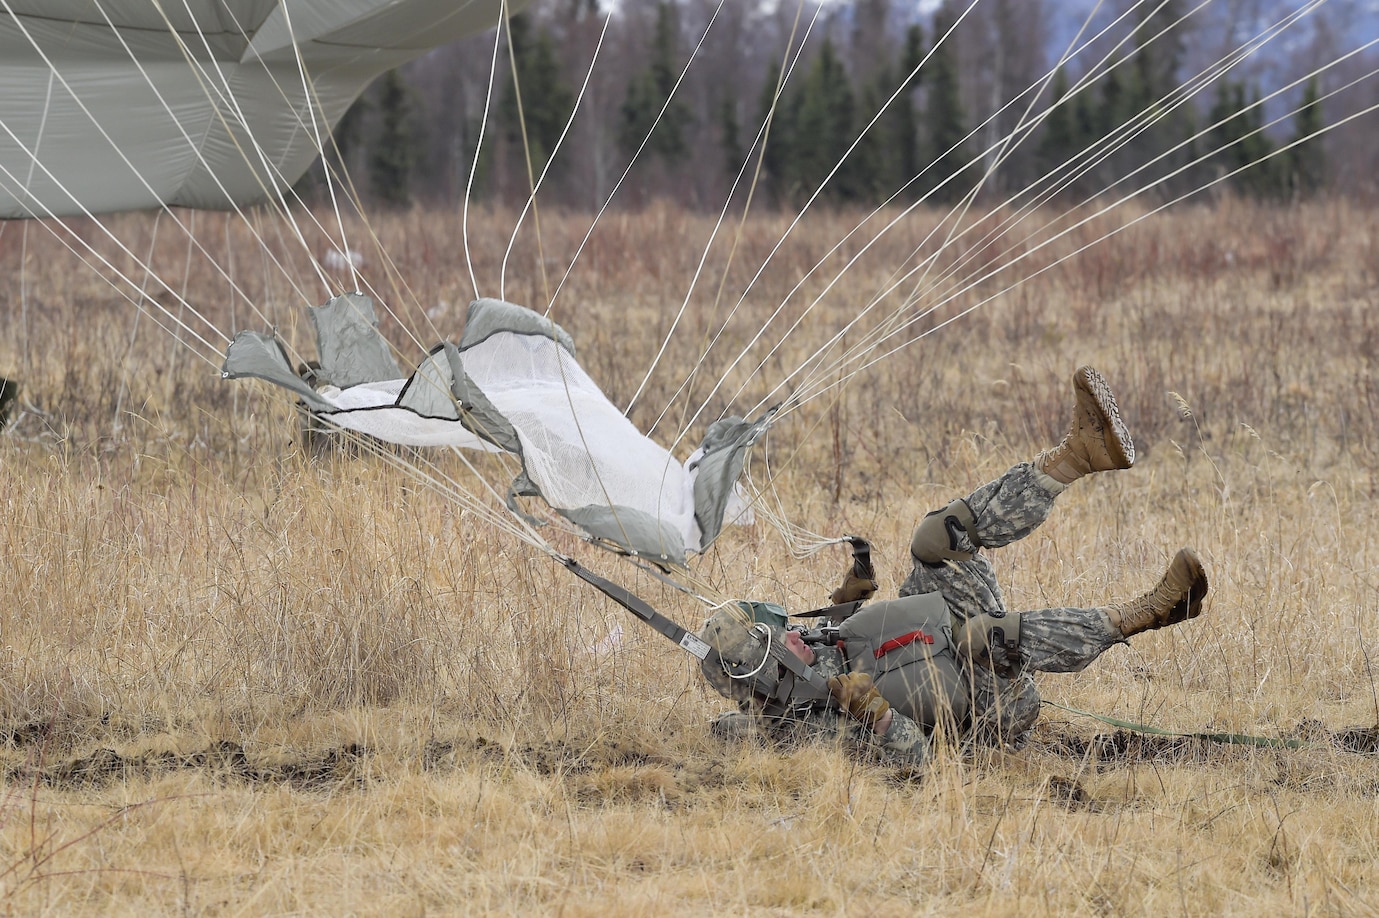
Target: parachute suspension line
x: 1001, y: 148
x: 951, y: 220
x: 699, y: 268
x: 343, y: 248
x: 271, y: 181
x: 426, y: 473
x: 24, y: 190
x: 478, y: 148
x: 708, y: 340
x: 1132, y: 128
x: 1197, y: 161
x: 86, y: 249
x: 1165, y: 205
x: 781, y: 242
x: 579, y: 101
x: 309, y: 94
x: 532, y: 184
x: 848, y: 235
x: 270, y: 193
x: 608, y: 202
x: 137, y: 302
x: 1183, y: 92
x: 760, y: 334
x: 897, y: 219
x: 531, y: 199
x: 34, y: 160
x: 767, y: 503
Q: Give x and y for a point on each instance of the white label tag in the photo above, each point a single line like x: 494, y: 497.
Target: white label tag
x: 695, y: 646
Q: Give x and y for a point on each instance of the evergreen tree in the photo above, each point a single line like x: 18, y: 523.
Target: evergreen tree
x: 887, y: 159
x: 393, y: 155
x: 944, y: 120
x: 777, y: 156
x: 1306, y: 161
x: 349, y: 129
x: 823, y: 128
x: 730, y: 136
x: 872, y: 171
x: 1242, y: 148
x: 906, y: 124
x: 546, y: 102
x: 649, y: 92
x: 1063, y: 138
x: 1160, y: 42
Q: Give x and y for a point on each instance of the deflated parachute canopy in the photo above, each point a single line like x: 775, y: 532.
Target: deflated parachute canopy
x: 513, y: 385
x: 110, y: 105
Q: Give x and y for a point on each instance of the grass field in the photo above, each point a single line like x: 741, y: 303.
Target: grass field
x: 237, y: 680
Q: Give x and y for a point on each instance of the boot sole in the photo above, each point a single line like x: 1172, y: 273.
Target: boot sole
x: 1200, y: 586
x: 1118, y: 442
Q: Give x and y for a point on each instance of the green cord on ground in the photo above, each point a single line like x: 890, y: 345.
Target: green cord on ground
x: 1235, y: 739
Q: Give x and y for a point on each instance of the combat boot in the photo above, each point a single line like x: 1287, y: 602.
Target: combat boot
x: 1097, y: 439
x: 1177, y: 598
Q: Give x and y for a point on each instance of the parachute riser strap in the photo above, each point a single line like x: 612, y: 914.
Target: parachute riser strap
x: 640, y: 608
x: 687, y: 641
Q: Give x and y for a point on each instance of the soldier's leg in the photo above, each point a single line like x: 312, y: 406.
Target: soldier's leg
x: 1003, y: 709
x: 947, y: 542
x: 1065, y: 640
x: 946, y: 548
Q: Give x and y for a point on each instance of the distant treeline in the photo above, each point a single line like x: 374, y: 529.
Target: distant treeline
x: 944, y: 116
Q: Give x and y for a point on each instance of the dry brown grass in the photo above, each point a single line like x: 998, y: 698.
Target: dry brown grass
x: 237, y: 681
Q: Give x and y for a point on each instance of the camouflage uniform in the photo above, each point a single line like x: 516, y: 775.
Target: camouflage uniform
x: 1003, y: 708
x: 1062, y: 640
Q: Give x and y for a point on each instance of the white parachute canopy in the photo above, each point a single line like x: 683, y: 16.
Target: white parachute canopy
x: 109, y: 105
x: 512, y: 384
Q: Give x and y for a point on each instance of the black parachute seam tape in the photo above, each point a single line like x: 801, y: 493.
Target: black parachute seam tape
x: 1230, y: 739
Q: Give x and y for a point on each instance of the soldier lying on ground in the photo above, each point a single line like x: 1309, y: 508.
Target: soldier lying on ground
x: 948, y: 657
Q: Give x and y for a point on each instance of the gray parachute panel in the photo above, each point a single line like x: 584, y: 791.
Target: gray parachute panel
x: 260, y: 356
x: 487, y: 317
x: 440, y: 388
x: 348, y: 343
x: 634, y: 530
x: 725, y: 446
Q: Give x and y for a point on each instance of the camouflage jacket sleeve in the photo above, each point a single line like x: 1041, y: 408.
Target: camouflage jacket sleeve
x: 905, y: 739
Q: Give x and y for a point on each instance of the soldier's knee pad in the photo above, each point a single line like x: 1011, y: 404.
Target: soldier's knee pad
x: 949, y: 534
x: 990, y: 640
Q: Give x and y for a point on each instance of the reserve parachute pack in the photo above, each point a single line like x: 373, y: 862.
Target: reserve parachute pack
x: 906, y: 646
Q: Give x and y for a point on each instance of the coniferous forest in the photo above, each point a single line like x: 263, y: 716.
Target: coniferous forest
x: 786, y: 94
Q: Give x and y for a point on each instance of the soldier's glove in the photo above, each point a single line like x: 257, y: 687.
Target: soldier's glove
x: 856, y: 694
x: 854, y: 589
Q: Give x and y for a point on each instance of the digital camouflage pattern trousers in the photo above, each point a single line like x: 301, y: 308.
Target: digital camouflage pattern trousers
x: 1060, y: 640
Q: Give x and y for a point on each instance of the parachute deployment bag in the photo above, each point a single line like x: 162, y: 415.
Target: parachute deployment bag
x: 906, y: 646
